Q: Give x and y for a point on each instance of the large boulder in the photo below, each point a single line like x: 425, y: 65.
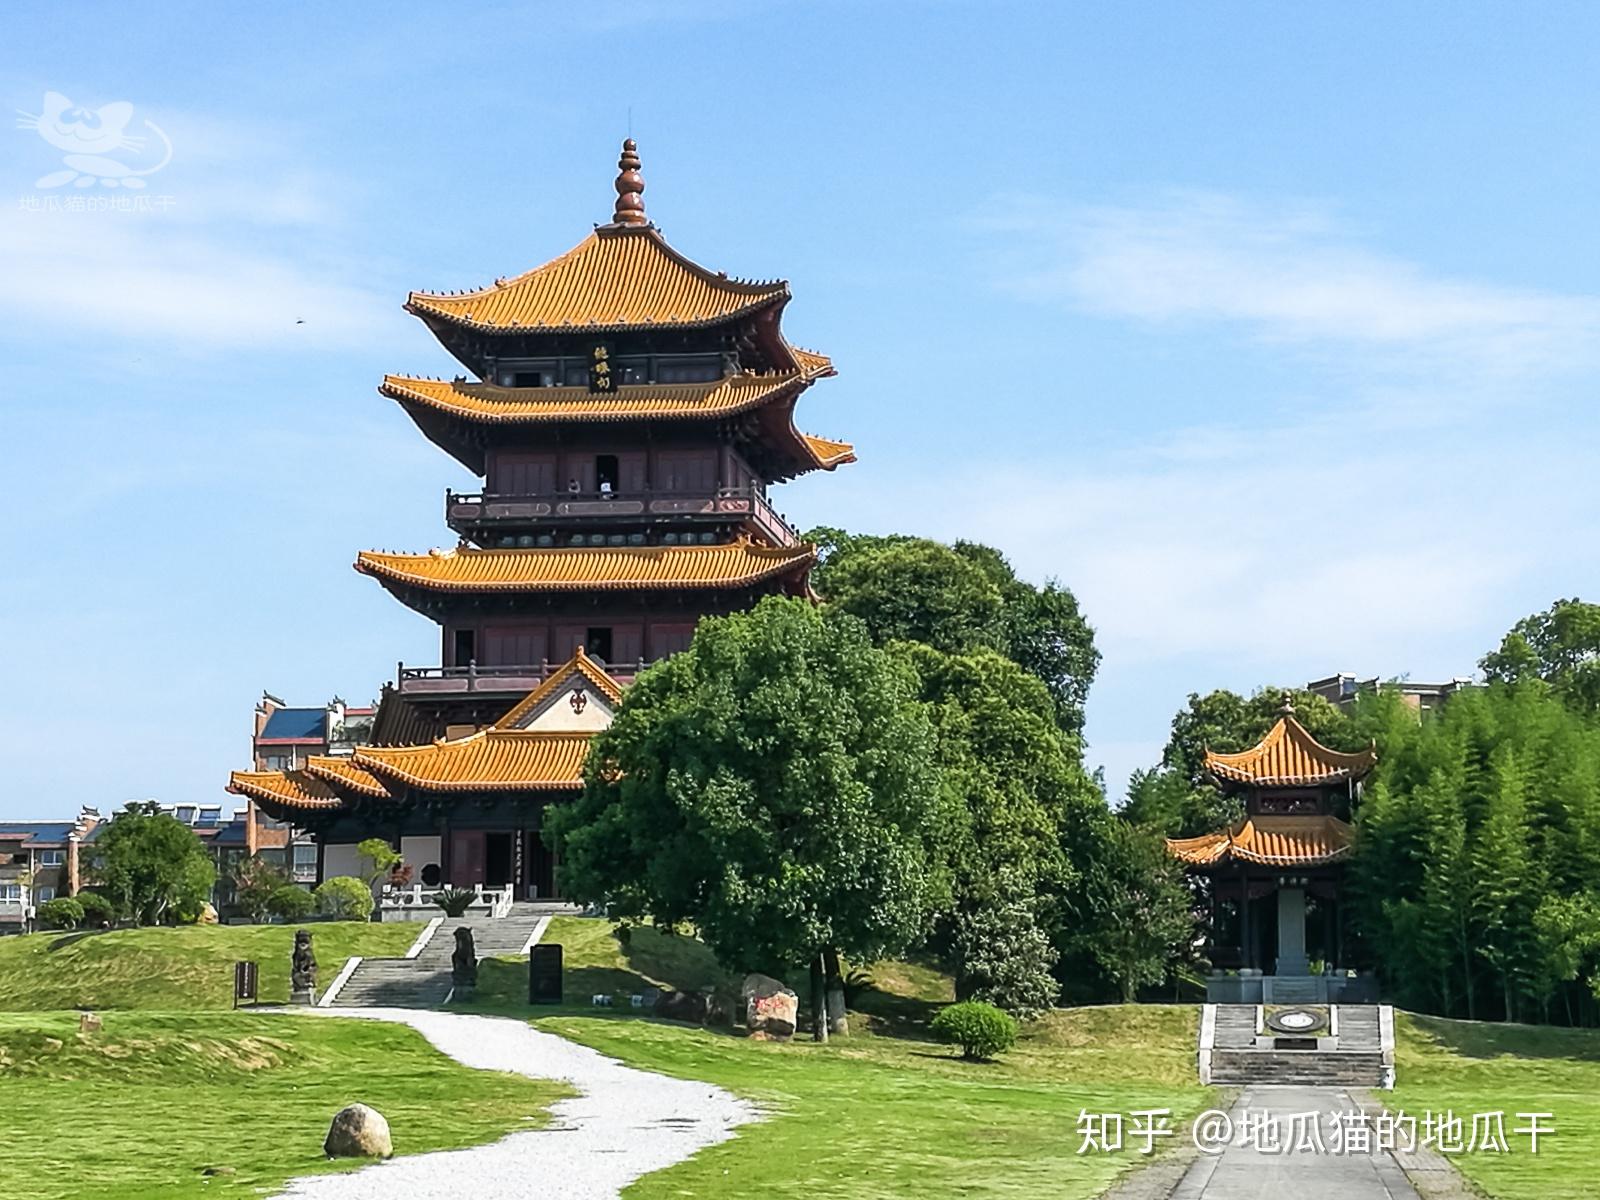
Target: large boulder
x: 358, y: 1132
x: 771, y: 1008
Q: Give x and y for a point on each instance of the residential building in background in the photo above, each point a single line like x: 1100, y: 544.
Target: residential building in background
x: 1342, y: 689
x: 285, y: 736
x: 39, y: 860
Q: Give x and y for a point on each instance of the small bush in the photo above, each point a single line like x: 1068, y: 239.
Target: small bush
x: 345, y: 898
x: 981, y: 1030
x: 61, y: 913
x: 97, y: 910
x: 291, y: 903
x: 455, y: 902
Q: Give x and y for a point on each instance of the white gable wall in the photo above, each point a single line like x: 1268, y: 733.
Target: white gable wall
x: 557, y: 715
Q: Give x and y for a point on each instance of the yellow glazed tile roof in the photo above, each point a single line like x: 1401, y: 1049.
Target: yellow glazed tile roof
x: 1305, y: 841
x: 829, y: 454
x: 491, y: 404
x: 345, y: 775
x: 488, y: 759
x: 591, y: 568
x: 580, y: 664
x: 279, y: 790
x: 616, y: 278
x: 811, y: 362
x: 1289, y: 757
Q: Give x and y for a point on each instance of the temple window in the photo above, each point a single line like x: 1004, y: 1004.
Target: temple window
x: 606, y: 473
x: 465, y: 646
x: 597, y: 643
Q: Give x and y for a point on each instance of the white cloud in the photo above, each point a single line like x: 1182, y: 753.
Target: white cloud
x: 84, y: 276
x: 234, y: 246
x: 1290, y: 273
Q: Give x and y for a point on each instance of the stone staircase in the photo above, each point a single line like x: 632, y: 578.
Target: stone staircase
x: 1236, y: 1026
x: 424, y: 981
x: 1356, y: 1057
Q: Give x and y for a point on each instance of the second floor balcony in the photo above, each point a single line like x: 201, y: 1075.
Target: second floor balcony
x: 475, y: 680
x: 640, y: 518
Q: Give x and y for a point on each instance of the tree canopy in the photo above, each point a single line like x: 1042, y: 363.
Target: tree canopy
x: 152, y: 866
x: 958, y: 599
x: 1011, y: 776
x: 775, y: 785
x: 1560, y: 646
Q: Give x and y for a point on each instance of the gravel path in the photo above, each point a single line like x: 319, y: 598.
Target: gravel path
x: 625, y: 1123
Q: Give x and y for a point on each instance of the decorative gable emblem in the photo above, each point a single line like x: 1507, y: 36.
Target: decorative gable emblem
x: 579, y: 699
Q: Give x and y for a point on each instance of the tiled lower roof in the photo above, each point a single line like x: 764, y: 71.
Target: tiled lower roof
x: 285, y: 789
x: 592, y: 568
x: 1288, y: 841
x: 492, y: 759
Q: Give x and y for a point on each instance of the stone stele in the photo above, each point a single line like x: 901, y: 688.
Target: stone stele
x: 358, y: 1132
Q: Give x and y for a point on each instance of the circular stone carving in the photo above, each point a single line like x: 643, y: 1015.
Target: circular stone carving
x: 1296, y: 1020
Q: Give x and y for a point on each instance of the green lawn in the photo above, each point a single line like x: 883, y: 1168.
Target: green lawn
x: 884, y: 1112
x: 144, y: 1106
x: 1472, y: 1067
x: 183, y: 968
x: 595, y: 962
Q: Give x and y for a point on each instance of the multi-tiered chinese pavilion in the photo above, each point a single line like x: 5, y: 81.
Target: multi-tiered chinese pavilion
x: 627, y: 411
x: 1273, y: 877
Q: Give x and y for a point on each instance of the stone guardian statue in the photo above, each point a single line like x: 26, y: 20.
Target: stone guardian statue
x: 303, y: 970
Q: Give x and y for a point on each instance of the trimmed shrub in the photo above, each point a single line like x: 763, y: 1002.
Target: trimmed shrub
x: 97, y: 910
x: 981, y: 1030
x: 344, y: 898
x: 291, y: 903
x: 61, y: 913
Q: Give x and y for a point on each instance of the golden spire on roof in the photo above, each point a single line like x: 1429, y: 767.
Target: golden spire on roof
x: 630, y: 188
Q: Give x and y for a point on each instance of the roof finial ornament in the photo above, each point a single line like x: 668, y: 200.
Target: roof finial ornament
x: 630, y: 188
x: 1287, y: 708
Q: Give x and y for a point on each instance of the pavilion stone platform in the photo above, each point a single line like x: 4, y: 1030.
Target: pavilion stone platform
x: 1272, y: 881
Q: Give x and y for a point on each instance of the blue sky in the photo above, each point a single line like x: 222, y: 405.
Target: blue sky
x: 1272, y: 333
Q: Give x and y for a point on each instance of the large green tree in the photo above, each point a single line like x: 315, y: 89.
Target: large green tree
x: 1560, y: 646
x: 961, y: 598
x: 1130, y: 917
x: 776, y: 786
x: 1013, y: 779
x: 152, y: 866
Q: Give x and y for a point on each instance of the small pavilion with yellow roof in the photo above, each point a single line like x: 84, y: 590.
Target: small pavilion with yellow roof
x: 1273, y: 877
x: 627, y: 411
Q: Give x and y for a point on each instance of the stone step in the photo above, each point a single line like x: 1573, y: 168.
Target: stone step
x: 1313, y: 1067
x: 1236, y: 1025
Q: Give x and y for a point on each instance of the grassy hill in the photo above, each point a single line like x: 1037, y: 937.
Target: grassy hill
x: 183, y: 968
x: 1471, y: 1067
x: 883, y: 1112
x: 151, y: 1103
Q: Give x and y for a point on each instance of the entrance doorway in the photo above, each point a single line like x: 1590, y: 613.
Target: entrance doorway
x: 497, y: 859
x: 541, y: 868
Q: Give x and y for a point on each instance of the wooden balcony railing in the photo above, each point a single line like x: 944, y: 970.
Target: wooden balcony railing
x: 489, y: 510
x: 475, y: 680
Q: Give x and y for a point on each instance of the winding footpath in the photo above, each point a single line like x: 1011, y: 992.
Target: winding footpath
x: 623, y: 1124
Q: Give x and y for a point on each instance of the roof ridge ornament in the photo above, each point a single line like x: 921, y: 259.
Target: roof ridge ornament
x: 630, y: 188
x: 1287, y: 708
